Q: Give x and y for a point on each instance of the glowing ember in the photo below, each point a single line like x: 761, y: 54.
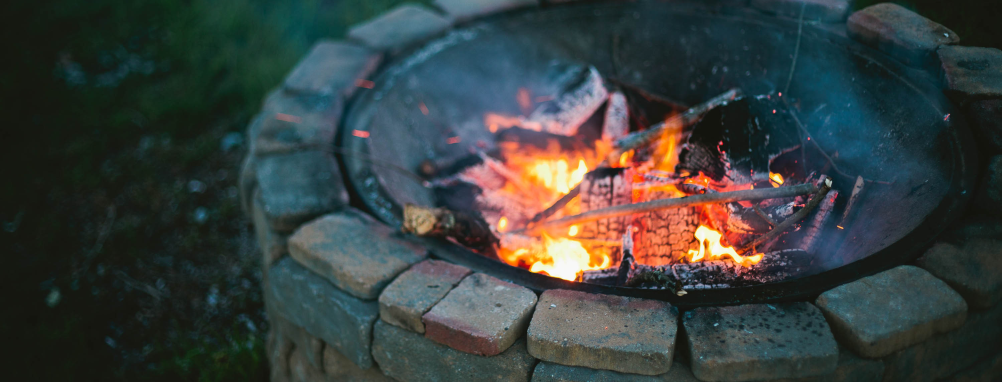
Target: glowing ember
x: 716, y: 250
x: 502, y: 224
x: 776, y: 178
x: 573, y: 231
x: 562, y: 258
x: 557, y: 174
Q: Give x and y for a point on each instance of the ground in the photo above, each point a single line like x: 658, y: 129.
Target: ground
x: 126, y: 254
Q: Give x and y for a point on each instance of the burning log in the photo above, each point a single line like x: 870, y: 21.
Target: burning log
x: 627, y: 262
x: 688, y: 201
x: 813, y: 230
x: 686, y: 119
x: 469, y: 230
x: 583, y: 94
x: 821, y: 193
x: 603, y: 188
x: 617, y: 118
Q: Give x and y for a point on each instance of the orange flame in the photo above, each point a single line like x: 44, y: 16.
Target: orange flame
x: 717, y: 250
x: 502, y: 224
x: 561, y: 257
x: 776, y: 178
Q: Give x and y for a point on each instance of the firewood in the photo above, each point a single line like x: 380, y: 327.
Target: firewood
x: 617, y: 118
x: 819, y: 195
x: 601, y: 188
x: 467, y: 229
x: 857, y: 190
x: 626, y: 264
x: 688, y: 201
x: 583, y: 94
x: 813, y: 230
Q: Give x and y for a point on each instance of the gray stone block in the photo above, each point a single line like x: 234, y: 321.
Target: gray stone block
x: 278, y: 349
x: 986, y: 370
x: 290, y: 123
x: 300, y: 369
x: 755, y: 342
x: 311, y: 302
x: 337, y: 367
x: 408, y: 356
x: 358, y: 255
x: 298, y: 187
x: 415, y: 291
x: 555, y: 372
x: 467, y: 9
x: 971, y: 72
x: 400, y: 26
x: 628, y: 335
x: 331, y: 68
x: 273, y: 244
x: 973, y: 269
x: 824, y: 10
x: 947, y: 353
x: 880, y: 314
x: 903, y: 34
x: 483, y: 315
x: 310, y: 347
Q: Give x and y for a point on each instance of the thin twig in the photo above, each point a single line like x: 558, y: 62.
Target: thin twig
x: 796, y: 48
x: 826, y: 185
x: 763, y: 215
x: 661, y: 204
x: 857, y: 189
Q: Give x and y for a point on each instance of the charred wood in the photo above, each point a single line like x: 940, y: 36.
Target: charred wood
x: 467, y: 229
x: 601, y: 188
x: 822, y: 192
x: 813, y: 230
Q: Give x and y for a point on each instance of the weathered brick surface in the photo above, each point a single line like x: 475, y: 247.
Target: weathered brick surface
x: 973, y: 269
x: 289, y: 123
x: 985, y: 119
x: 408, y: 356
x: 313, y: 303
x: 824, y: 10
x: 415, y: 291
x: 298, y: 187
x: 468, y: 9
x: 356, y: 254
x: 754, y: 342
x: 339, y: 368
x: 880, y: 314
x: 273, y: 244
x: 300, y: 368
x: 555, y: 372
x: 278, y: 349
x: 332, y: 67
x: 989, y: 197
x: 986, y: 370
x: 851, y: 368
x: 483, y: 315
x: 624, y: 334
x: 971, y: 72
x: 399, y: 26
x: 947, y: 353
x: 310, y: 348
x: 901, y: 33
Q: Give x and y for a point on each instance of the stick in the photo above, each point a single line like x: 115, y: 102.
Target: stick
x: 763, y: 215
x: 826, y: 185
x: 660, y: 204
x: 686, y: 119
x: 469, y: 230
x: 856, y: 190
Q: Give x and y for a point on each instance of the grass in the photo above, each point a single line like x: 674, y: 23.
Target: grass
x: 126, y: 255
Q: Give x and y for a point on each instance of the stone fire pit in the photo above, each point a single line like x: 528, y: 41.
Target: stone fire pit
x: 350, y: 298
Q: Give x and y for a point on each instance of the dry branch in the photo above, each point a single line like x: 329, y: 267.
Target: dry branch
x: 660, y: 204
x: 826, y: 185
x: 856, y: 191
x: 469, y: 230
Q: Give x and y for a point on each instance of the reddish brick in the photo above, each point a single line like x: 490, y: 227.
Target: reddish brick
x: 482, y: 316
x: 972, y: 72
x: 415, y: 291
x: 399, y: 26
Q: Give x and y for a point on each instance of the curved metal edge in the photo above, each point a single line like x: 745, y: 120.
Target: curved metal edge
x: 903, y: 251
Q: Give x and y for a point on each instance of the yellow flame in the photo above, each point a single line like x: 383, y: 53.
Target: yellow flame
x: 566, y: 258
x: 776, y: 178
x: 557, y: 175
x: 502, y: 224
x: 573, y: 231
x: 666, y: 150
x: 717, y: 250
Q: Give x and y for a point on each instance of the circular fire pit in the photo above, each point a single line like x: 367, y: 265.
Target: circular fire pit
x: 357, y: 299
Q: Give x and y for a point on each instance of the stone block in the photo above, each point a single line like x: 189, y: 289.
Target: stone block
x: 311, y: 302
x: 987, y: 370
x: 824, y: 10
x: 358, y: 255
x: 290, y: 123
x: 755, y: 342
x: 973, y: 269
x: 483, y: 315
x: 851, y: 368
x: 971, y: 72
x: 298, y: 187
x: 985, y: 119
x: 309, y: 347
x: 300, y: 369
x: 398, y: 27
x: 407, y: 356
x: 273, y: 244
x: 903, y: 34
x: 947, y: 353
x: 462, y: 10
x: 337, y: 367
x: 331, y: 68
x: 415, y: 291
x: 278, y: 349
x: 880, y: 314
x: 555, y: 372
x: 628, y: 335
x: 989, y: 197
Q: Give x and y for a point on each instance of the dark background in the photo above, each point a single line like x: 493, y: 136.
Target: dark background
x: 125, y: 253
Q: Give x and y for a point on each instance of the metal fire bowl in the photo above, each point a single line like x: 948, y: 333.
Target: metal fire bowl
x: 877, y: 117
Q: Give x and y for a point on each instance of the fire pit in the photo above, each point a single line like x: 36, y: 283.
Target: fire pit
x: 629, y: 190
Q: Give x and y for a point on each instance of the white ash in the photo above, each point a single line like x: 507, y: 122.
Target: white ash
x: 565, y: 114
x: 617, y: 117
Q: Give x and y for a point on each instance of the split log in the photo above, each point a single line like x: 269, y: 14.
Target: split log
x: 582, y: 95
x: 813, y: 230
x: 857, y: 190
x: 822, y: 191
x: 467, y: 229
x: 617, y: 118
x: 665, y: 236
x: 688, y: 201
x: 601, y: 188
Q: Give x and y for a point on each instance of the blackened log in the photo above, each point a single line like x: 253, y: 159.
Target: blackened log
x: 813, y: 230
x: 601, y: 188
x: 825, y: 186
x: 467, y: 229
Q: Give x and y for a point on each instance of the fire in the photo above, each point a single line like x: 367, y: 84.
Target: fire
x: 573, y: 231
x: 561, y: 257
x: 502, y: 224
x: 556, y: 174
x: 717, y: 250
x: 776, y: 178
